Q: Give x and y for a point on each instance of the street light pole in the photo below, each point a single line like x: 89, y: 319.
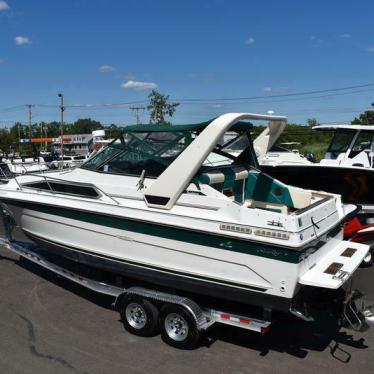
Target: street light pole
x: 62, y: 109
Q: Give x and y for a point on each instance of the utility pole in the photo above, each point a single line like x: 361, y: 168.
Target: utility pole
x: 62, y: 109
x: 46, y: 136
x: 30, y: 106
x: 135, y: 109
x: 41, y: 135
x: 19, y: 138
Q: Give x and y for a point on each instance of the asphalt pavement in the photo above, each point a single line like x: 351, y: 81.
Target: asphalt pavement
x: 50, y: 325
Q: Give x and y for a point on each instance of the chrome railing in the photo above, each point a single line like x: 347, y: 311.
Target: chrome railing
x: 25, y: 167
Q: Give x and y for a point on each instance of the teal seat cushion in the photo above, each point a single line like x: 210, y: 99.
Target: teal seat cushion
x: 262, y: 187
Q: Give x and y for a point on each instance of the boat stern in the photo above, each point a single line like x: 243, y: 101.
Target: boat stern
x: 336, y: 266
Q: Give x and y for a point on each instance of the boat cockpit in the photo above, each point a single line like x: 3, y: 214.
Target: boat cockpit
x: 231, y: 168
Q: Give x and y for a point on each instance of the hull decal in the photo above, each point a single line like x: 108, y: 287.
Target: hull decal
x: 175, y: 233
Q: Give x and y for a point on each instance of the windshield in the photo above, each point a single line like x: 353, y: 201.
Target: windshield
x: 362, y: 143
x: 150, y: 151
x: 154, y: 151
x: 340, y: 142
x: 229, y: 147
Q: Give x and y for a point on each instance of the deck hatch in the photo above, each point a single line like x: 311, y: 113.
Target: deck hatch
x: 349, y: 252
x: 333, y: 268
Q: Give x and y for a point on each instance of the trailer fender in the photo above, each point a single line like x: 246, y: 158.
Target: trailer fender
x: 161, y: 298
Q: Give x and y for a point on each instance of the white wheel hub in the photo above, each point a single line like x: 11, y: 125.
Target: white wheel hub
x: 176, y: 327
x: 136, y: 316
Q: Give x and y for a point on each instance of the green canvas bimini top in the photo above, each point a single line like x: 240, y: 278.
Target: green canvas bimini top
x: 154, y: 147
x: 198, y: 127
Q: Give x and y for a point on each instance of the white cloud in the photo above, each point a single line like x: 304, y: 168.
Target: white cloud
x: 3, y: 5
x: 370, y: 49
x: 20, y: 40
x: 106, y: 69
x: 346, y: 35
x: 268, y: 89
x: 130, y: 84
x: 250, y: 40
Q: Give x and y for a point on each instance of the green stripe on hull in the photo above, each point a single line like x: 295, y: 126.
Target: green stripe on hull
x: 174, y: 233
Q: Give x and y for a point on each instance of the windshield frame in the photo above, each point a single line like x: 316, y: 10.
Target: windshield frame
x: 117, y: 149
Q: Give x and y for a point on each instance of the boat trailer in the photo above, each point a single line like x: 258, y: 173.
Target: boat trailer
x: 146, y: 312
x: 183, y: 319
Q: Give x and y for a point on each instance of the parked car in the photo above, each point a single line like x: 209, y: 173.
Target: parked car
x: 68, y: 161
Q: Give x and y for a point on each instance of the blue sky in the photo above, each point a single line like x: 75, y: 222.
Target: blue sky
x: 112, y: 51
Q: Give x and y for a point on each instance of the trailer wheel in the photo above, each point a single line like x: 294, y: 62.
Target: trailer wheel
x: 369, y: 258
x: 139, y: 316
x: 178, y: 327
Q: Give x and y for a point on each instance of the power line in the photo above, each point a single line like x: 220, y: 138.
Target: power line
x: 13, y: 108
x: 281, y: 95
x: 242, y: 101
x: 224, y: 101
x: 108, y: 105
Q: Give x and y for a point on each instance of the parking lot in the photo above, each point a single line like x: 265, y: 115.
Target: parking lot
x: 49, y: 325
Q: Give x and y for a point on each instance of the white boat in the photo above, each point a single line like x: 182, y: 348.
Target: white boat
x: 279, y: 155
x: 270, y: 154
x: 351, y: 146
x: 10, y: 167
x: 151, y: 208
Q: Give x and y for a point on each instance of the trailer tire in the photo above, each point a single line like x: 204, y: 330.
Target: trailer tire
x: 139, y: 316
x: 178, y: 327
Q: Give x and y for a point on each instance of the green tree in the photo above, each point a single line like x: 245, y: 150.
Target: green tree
x: 160, y: 107
x: 5, y: 139
x: 84, y: 126
x: 366, y: 118
x: 311, y: 122
x: 112, y: 131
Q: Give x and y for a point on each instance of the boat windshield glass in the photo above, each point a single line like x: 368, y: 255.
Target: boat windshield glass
x: 229, y: 147
x: 340, y: 142
x: 154, y: 150
x: 362, y: 143
x: 138, y: 151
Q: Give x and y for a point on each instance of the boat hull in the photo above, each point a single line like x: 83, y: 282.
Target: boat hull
x: 164, y: 262
x: 155, y: 278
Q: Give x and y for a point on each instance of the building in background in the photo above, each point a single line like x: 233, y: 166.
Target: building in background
x: 79, y: 144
